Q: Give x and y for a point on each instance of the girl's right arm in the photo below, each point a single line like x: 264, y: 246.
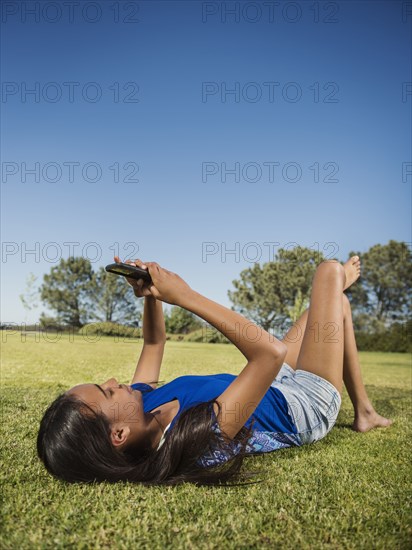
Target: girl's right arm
x: 248, y: 337
x: 265, y: 353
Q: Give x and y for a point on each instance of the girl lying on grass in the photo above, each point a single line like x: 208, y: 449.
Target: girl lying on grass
x: 200, y: 428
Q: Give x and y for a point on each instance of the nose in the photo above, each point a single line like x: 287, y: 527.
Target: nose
x: 110, y: 382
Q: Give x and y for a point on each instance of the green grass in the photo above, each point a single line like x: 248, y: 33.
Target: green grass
x: 349, y: 490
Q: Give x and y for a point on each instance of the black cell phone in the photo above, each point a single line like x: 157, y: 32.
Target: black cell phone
x: 127, y: 270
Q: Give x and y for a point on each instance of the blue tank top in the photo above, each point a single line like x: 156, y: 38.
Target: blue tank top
x: 273, y: 427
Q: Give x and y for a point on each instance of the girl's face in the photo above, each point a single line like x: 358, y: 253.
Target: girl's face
x: 120, y: 404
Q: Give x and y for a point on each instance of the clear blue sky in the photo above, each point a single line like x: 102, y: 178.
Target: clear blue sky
x: 348, y: 68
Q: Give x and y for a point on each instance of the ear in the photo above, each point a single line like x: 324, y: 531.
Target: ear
x: 119, y: 435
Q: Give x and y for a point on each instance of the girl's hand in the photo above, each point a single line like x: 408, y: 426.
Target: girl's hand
x: 140, y: 287
x: 166, y: 285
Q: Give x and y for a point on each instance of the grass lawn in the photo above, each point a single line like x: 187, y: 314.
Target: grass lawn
x: 349, y: 490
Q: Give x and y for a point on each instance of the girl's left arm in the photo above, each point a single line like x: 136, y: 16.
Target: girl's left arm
x: 154, y: 340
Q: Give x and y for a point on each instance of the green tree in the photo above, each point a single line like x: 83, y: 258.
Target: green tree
x: 300, y: 305
x: 268, y: 294
x: 67, y: 291
x: 47, y: 322
x: 114, y: 299
x: 31, y: 296
x: 384, y: 291
x: 181, y: 321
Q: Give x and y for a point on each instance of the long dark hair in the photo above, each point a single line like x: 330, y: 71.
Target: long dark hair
x: 74, y: 444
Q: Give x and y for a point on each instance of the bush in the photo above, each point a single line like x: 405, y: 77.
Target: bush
x: 397, y: 338
x: 50, y: 323
x: 207, y: 335
x: 174, y: 337
x: 181, y: 321
x: 109, y: 329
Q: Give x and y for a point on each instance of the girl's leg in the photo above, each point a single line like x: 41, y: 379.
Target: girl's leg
x: 293, y: 339
x: 322, y: 348
x: 365, y: 415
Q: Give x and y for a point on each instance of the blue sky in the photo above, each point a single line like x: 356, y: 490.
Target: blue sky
x: 313, y: 139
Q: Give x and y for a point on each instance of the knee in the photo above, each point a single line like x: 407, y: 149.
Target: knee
x: 331, y: 267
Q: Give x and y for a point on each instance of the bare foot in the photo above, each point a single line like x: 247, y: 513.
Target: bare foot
x: 352, y: 271
x: 370, y: 420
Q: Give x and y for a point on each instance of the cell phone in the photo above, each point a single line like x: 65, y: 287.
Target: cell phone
x: 127, y: 270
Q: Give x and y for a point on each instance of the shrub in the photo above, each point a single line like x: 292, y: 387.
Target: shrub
x: 174, y: 337
x: 181, y: 321
x: 47, y: 322
x: 397, y: 338
x: 207, y: 335
x: 109, y: 329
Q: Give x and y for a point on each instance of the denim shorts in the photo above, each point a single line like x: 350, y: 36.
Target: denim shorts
x: 313, y: 402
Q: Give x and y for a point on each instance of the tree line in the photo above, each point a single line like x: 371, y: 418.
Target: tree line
x: 276, y: 293
x: 273, y: 295
x: 78, y: 296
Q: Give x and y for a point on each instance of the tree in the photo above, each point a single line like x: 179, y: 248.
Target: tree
x: 67, y: 290
x: 114, y: 299
x: 384, y: 290
x: 181, y: 321
x: 31, y: 296
x: 268, y: 294
x: 300, y: 305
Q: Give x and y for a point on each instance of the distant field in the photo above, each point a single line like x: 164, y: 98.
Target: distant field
x: 349, y: 490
